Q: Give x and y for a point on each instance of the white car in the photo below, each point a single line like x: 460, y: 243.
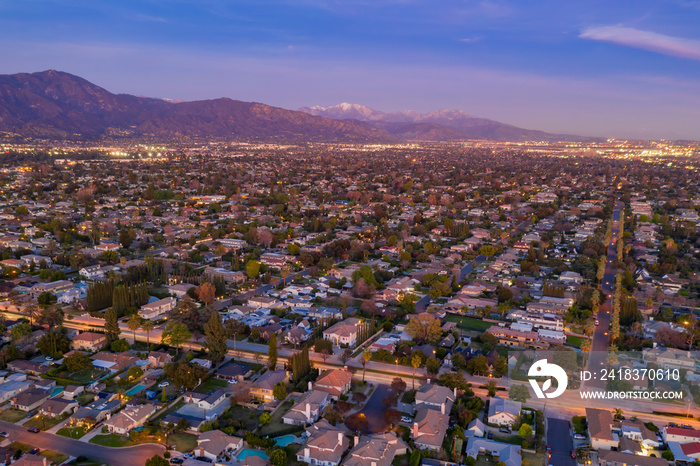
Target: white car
x: 163, y: 384
x: 405, y: 419
x: 233, y: 381
x: 579, y: 437
x: 49, y: 358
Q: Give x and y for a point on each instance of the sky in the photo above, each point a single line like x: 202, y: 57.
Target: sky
x: 624, y: 69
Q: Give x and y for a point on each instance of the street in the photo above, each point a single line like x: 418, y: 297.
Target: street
x: 124, y: 456
x: 559, y: 438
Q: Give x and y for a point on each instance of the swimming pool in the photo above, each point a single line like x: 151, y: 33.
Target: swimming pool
x: 135, y: 390
x: 246, y: 452
x: 284, y: 440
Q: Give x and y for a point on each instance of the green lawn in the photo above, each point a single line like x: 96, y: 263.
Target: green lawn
x: 44, y: 423
x: 183, y: 442
x: 574, y: 340
x: 112, y: 440
x: 577, y: 422
x: 532, y: 459
x: 12, y: 415
x: 52, y: 456
x: 85, y: 398
x: 469, y: 322
x: 86, y: 376
x: 170, y: 410
x: 276, y: 425
x: 212, y: 383
x: 72, y: 432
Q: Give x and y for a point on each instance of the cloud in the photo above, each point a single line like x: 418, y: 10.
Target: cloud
x: 470, y: 40
x: 645, y: 40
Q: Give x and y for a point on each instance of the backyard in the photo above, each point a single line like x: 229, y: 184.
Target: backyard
x: 52, y: 456
x: 182, y: 442
x: 469, y: 323
x: 210, y: 384
x: 276, y: 426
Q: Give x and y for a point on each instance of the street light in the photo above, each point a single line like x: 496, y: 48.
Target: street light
x: 397, y: 367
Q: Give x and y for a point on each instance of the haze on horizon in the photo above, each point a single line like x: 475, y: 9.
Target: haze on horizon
x: 615, y: 69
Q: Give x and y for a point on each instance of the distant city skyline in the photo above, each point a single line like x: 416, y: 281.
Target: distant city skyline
x: 610, y: 69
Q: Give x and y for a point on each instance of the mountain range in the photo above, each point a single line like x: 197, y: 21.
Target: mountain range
x: 54, y: 105
x: 440, y: 125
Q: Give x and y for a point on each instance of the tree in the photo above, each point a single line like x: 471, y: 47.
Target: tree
x: 206, y: 292
x: 478, y: 364
x: 32, y: 312
x: 398, y: 385
x: 176, y: 335
x: 391, y: 416
x: 491, y: 388
x: 525, y: 430
x: 157, y: 460
x: 54, y: 343
x: 20, y: 330
x: 280, y: 391
x: 134, y: 373
x: 215, y: 338
x: 345, y: 355
x: 278, y: 457
x: 46, y: 298
x: 265, y: 418
x: 77, y: 362
x: 112, y: 330
x: 416, y: 361
x: 366, y: 356
x: 133, y: 323
x: 272, y: 351
x: 50, y: 317
x: 148, y: 327
x: 185, y: 375
x: 126, y: 236
x: 519, y: 392
x: 424, y: 328
x: 252, y: 268
x: 119, y: 345
x: 432, y: 365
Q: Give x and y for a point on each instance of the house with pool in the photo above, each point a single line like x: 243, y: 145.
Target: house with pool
x: 307, y: 409
x: 325, y: 446
x: 217, y: 445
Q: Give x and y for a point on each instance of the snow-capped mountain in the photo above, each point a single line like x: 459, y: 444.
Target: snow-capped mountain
x: 440, y: 125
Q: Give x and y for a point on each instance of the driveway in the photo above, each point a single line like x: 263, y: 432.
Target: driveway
x: 125, y: 456
x: 559, y: 438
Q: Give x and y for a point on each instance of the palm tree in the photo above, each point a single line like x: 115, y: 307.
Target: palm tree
x: 134, y: 324
x: 585, y: 347
x: 32, y: 312
x: 366, y: 356
x: 416, y: 361
x: 148, y: 327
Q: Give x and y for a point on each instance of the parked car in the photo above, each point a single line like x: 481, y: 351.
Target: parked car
x: 176, y: 461
x: 233, y: 381
x: 34, y: 451
x: 163, y: 384
x: 489, y: 435
x: 505, y: 430
x: 549, y: 448
x: 34, y: 430
x: 4, y: 434
x: 573, y: 453
x: 204, y: 459
x: 405, y: 419
x: 579, y: 437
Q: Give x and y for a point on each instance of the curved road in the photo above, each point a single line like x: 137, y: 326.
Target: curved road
x: 123, y: 456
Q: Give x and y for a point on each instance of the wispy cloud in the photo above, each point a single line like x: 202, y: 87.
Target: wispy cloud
x: 470, y: 40
x: 645, y: 40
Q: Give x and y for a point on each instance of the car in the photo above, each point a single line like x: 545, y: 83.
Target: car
x: 405, y: 419
x: 188, y: 455
x: 597, y: 322
x: 505, y: 430
x: 34, y: 451
x: 34, y: 430
x: 204, y: 459
x: 579, y: 437
x: 49, y: 358
x: 233, y: 381
x: 176, y: 461
x: 672, y: 424
x: 489, y: 435
x: 163, y: 384
x: 573, y: 454
x: 549, y: 448
x: 4, y: 434
x: 686, y: 426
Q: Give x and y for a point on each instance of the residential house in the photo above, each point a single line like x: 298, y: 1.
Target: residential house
x: 88, y: 341
x: 375, y: 450
x: 97, y: 411
x: 324, y: 447
x: 129, y: 418
x: 429, y: 428
x: 206, y: 401
x: 55, y: 407
x: 31, y: 460
x: 600, y: 430
x: 31, y: 399
x: 503, y: 411
x: 618, y: 458
x: 508, y: 454
x: 235, y: 371
x: 12, y: 388
x: 113, y: 362
x: 476, y: 428
x: 217, y: 445
x: 27, y: 367
x: 307, y: 409
x: 262, y: 388
x: 157, y: 309
x: 71, y: 391
x: 436, y: 397
x: 680, y: 435
x: 343, y: 333
x: 158, y: 359
x: 92, y: 272
x: 334, y: 382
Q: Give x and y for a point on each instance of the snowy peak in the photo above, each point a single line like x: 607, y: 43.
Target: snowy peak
x: 348, y: 111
